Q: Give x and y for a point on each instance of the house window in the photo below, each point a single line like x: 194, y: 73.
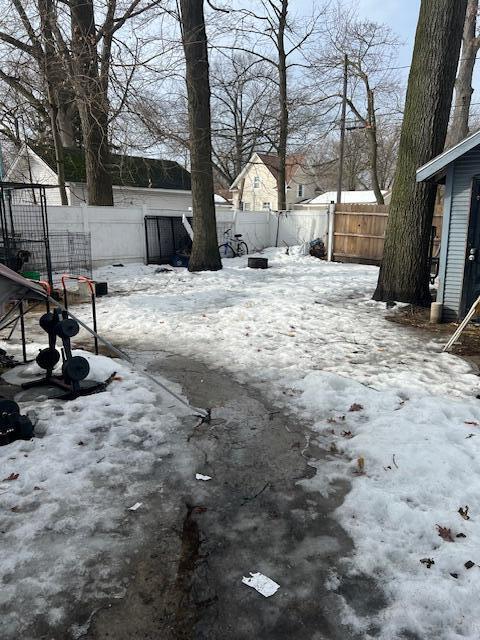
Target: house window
x: 267, y: 206
x: 245, y: 206
x: 300, y: 190
x: 256, y: 182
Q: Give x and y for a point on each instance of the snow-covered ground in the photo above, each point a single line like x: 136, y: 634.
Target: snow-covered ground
x: 400, y: 418
x: 65, y: 495
x: 404, y: 415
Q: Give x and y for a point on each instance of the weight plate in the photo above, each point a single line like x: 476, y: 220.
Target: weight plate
x: 47, y: 322
x: 47, y: 358
x: 9, y: 407
x: 67, y: 328
x: 75, y: 369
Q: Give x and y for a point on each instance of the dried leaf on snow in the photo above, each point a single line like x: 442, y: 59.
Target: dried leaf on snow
x: 12, y: 476
x: 463, y: 511
x: 428, y: 562
x: 356, y: 407
x: 445, y: 533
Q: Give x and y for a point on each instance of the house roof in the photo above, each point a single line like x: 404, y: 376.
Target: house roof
x: 271, y: 161
x: 437, y: 166
x: 292, y: 164
x: 348, y: 197
x: 126, y: 171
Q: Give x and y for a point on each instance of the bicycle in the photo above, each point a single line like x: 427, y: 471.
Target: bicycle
x: 232, y: 247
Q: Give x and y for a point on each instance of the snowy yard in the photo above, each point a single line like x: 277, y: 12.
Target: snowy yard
x: 401, y: 421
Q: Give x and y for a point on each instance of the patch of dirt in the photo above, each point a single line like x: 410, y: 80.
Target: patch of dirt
x: 468, y: 344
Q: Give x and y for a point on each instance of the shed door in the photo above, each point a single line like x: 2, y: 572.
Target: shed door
x: 472, y: 258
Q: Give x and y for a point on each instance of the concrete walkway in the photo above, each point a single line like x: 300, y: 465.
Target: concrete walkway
x: 252, y: 516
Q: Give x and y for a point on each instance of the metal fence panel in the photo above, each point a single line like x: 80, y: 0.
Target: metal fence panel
x: 164, y: 237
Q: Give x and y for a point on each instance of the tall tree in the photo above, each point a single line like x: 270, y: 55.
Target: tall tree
x: 205, y: 255
x: 242, y: 94
x: 282, y: 43
x: 373, y: 90
x: 91, y: 91
x: 404, y: 273
x: 463, y: 84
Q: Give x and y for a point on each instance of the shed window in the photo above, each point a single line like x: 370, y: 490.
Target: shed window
x: 300, y: 190
x: 245, y: 206
x: 256, y: 182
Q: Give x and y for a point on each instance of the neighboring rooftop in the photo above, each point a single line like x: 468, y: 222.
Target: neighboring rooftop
x: 348, y: 197
x: 270, y: 160
x: 293, y: 162
x: 126, y: 171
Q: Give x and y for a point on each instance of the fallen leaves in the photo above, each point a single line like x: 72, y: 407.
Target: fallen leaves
x: 347, y: 434
x: 427, y: 562
x: 445, y: 533
x: 356, y: 407
x: 463, y: 511
x: 469, y: 564
x: 473, y: 423
x: 12, y: 476
x: 360, y: 470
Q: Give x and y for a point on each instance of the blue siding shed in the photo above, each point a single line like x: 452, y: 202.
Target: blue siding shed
x: 459, y: 168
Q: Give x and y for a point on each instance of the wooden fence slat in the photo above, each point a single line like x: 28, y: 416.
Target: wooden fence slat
x: 359, y: 232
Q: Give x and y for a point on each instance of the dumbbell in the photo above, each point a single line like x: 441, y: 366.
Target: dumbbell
x: 67, y: 328
x: 48, y: 321
x: 75, y: 369
x: 48, y: 358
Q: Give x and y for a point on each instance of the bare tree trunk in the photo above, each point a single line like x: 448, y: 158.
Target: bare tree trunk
x: 66, y: 129
x: 92, y: 103
x: 283, y: 125
x: 58, y: 146
x: 404, y: 273
x: 49, y: 59
x: 373, y: 147
x: 463, y: 83
x: 205, y: 255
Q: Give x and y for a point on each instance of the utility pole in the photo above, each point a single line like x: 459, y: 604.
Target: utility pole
x: 342, y: 130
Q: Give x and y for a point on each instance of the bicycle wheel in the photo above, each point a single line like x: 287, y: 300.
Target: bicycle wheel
x: 226, y: 251
x: 242, y: 249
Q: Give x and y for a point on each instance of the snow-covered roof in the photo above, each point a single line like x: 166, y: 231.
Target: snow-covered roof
x: 438, y: 164
x: 348, y: 197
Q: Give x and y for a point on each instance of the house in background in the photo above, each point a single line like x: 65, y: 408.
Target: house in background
x: 157, y: 184
x: 255, y: 187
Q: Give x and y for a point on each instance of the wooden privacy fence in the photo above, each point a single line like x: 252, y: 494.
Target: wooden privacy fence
x: 359, y: 232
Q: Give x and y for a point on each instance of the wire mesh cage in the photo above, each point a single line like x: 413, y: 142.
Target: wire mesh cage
x: 71, y: 252
x: 27, y: 246
x: 165, y: 235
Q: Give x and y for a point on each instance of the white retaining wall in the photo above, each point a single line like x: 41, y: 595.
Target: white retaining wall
x: 118, y: 233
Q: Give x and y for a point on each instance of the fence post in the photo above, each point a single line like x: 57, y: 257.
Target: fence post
x: 331, y: 231
x: 85, y: 217
x: 144, y: 213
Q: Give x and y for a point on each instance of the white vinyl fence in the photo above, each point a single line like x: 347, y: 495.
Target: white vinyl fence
x: 118, y: 233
